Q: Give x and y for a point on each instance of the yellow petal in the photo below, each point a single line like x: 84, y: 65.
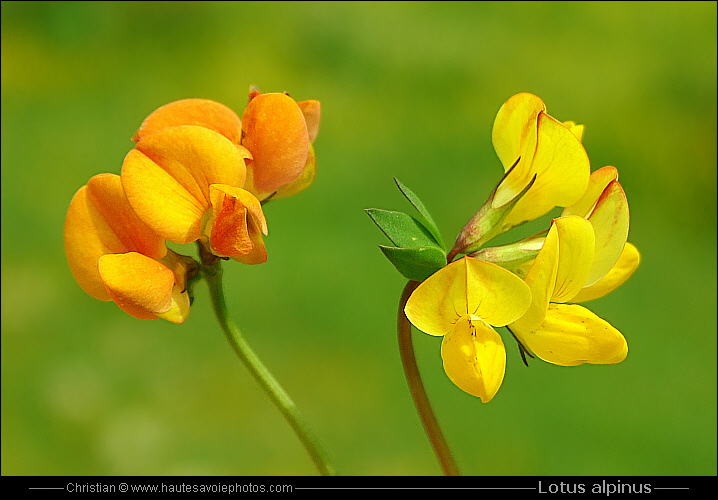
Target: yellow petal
x: 467, y: 287
x: 275, y: 133
x: 541, y: 280
x: 560, y: 268
x: 572, y: 335
x: 576, y: 130
x: 179, y: 310
x: 494, y: 294
x: 440, y: 300
x: 621, y: 271
x: 562, y: 171
x: 311, y: 110
x: 576, y: 244
x: 200, y: 112
x: 167, y: 178
x: 141, y: 286
x: 474, y: 358
x: 100, y: 221
x: 514, y: 136
x: 236, y: 224
x: 610, y: 223
x: 596, y: 184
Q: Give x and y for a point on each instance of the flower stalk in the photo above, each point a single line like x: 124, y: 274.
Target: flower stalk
x: 211, y: 271
x: 416, y: 387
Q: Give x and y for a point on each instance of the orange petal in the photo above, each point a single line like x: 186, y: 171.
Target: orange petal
x: 258, y: 254
x: 106, y: 193
x: 167, y: 177
x: 141, y: 286
x: 275, y: 133
x: 196, y: 156
x: 100, y: 221
x: 201, y: 112
x: 305, y: 179
x: 311, y: 110
x: 87, y: 238
x: 161, y: 200
x: 236, y: 224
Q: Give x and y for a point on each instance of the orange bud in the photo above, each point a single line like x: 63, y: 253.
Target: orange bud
x: 275, y: 133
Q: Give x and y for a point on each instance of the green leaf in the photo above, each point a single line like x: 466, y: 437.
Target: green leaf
x: 416, y: 264
x: 402, y: 229
x: 421, y: 208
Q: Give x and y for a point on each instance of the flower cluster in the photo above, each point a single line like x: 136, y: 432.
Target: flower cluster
x: 197, y: 173
x: 531, y: 286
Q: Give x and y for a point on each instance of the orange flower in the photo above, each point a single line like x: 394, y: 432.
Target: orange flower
x: 113, y: 255
x: 185, y: 183
x: 275, y: 136
x: 195, y: 174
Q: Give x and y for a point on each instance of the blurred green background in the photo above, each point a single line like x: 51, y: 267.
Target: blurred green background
x: 407, y: 90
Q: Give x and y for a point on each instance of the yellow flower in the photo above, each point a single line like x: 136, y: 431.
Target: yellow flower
x: 564, y: 270
x: 275, y: 136
x: 534, y: 143
x: 113, y: 255
x: 461, y: 302
x: 605, y: 206
x: 185, y: 183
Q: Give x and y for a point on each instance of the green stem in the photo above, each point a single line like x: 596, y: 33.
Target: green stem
x: 212, y: 272
x: 416, y: 386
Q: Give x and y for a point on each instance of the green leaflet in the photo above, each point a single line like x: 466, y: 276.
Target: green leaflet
x: 416, y: 264
x: 402, y: 229
x: 414, y: 200
x: 418, y: 249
